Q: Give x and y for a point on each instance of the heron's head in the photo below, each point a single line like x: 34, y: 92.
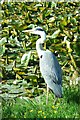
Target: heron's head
x: 38, y: 31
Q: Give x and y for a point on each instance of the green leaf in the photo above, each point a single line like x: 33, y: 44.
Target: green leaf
x: 9, y: 67
x: 14, y: 41
x: 2, y: 50
x: 31, y: 26
x: 6, y: 86
x: 1, y: 75
x: 16, y: 91
x: 3, y: 41
x: 55, y: 34
x: 25, y: 58
x: 52, y: 19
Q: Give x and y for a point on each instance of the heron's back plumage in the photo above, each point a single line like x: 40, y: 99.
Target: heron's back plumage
x: 51, y: 72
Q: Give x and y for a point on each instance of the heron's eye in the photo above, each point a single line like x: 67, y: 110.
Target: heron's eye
x: 41, y: 56
x: 43, y: 44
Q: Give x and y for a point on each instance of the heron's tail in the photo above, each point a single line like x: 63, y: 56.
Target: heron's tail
x: 57, y: 89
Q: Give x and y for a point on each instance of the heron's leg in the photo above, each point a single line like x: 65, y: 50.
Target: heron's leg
x: 55, y: 101
x: 47, y: 95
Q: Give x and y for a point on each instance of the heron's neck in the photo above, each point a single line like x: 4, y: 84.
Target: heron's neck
x: 39, y: 46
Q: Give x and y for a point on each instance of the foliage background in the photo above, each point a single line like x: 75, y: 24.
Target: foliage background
x: 19, y: 63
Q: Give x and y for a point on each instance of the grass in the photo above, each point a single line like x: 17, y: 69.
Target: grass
x: 22, y: 107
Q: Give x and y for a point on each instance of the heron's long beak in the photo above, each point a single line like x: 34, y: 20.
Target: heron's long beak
x: 30, y: 31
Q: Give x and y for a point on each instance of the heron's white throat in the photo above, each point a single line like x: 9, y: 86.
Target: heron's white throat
x: 39, y: 43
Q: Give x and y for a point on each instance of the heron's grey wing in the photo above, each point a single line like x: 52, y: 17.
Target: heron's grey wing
x: 56, y: 70
x: 50, y: 67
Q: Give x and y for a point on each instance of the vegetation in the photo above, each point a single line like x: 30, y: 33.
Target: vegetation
x: 23, y: 88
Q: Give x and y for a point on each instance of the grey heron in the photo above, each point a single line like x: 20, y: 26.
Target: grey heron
x: 49, y: 66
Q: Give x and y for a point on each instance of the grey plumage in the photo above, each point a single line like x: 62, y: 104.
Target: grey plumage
x: 51, y: 71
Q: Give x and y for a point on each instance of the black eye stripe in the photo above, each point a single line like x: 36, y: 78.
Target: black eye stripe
x: 39, y: 29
